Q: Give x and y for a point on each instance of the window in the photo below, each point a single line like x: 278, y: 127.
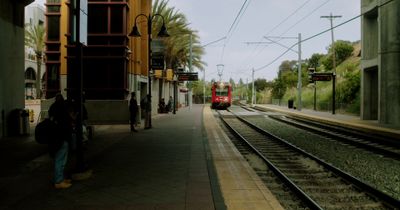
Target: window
x: 117, y: 20
x: 221, y: 91
x: 53, y: 28
x: 98, y: 19
x: 51, y: 9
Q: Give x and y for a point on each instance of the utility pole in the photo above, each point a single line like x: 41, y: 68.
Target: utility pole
x: 190, y: 70
x: 299, y: 85
x: 204, y: 87
x: 299, y: 76
x: 252, y: 91
x: 331, y: 17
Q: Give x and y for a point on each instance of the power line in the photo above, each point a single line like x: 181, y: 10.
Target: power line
x: 210, y: 43
x: 237, y: 18
x: 287, y: 18
x: 304, y: 40
x: 270, y: 31
x: 303, y: 18
x: 316, y: 35
x: 233, y: 26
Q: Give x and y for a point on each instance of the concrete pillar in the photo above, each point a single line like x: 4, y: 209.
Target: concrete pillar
x: 11, y: 60
x: 380, y: 65
x: 389, y: 59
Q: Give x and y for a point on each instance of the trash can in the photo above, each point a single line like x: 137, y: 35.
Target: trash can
x: 290, y: 103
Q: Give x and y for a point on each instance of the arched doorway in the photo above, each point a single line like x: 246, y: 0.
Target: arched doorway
x: 30, y: 80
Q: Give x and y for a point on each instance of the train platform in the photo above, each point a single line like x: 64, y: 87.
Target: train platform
x: 185, y: 161
x: 350, y: 121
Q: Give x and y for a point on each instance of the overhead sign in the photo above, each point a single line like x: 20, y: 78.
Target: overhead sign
x: 322, y: 76
x: 188, y: 76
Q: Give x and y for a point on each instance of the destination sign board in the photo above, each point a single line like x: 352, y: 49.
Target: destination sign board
x: 188, y: 76
x: 322, y: 76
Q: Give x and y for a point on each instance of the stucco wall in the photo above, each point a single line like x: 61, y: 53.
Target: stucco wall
x: 11, y: 60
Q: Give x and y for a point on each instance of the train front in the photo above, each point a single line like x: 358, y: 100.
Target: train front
x: 221, y: 95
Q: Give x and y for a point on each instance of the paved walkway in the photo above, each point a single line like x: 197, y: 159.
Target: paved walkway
x: 166, y: 167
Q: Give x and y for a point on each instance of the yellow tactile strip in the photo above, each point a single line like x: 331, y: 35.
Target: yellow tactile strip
x: 240, y: 186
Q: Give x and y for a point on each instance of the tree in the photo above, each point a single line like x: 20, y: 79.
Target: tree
x: 260, y: 84
x: 232, y: 82
x: 315, y: 60
x: 278, y: 89
x: 287, y: 66
x: 35, y: 39
x: 343, y: 50
x: 177, y: 46
x: 241, y: 82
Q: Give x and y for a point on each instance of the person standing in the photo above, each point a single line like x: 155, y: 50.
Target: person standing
x: 170, y: 104
x: 133, y: 109
x: 58, y: 147
x: 147, y: 104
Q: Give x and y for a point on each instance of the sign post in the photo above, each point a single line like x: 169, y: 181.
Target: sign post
x: 326, y: 76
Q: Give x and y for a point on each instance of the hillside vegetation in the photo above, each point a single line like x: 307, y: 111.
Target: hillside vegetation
x: 284, y: 87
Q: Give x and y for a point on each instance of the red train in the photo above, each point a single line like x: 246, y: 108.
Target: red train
x: 221, y: 95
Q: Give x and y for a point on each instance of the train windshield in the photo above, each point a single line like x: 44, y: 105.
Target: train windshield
x: 221, y: 91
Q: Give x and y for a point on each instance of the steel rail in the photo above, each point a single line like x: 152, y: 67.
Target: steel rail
x: 302, y: 195
x: 387, y: 199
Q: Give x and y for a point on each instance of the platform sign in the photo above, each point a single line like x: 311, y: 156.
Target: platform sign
x: 322, y: 76
x: 188, y: 76
x: 157, y: 61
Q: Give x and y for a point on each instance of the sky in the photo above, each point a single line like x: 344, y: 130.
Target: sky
x: 213, y: 19
x: 239, y: 53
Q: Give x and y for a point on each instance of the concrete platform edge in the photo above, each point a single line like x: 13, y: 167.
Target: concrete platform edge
x: 218, y: 199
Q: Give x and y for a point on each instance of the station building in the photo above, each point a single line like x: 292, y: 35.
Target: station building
x: 114, y: 64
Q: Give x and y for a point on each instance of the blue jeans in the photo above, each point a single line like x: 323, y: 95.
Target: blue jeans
x: 60, y: 160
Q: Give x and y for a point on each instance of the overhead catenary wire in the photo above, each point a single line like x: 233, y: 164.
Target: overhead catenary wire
x: 234, y: 25
x: 303, y: 18
x: 273, y: 29
x: 291, y: 27
x: 316, y: 35
x: 304, y: 40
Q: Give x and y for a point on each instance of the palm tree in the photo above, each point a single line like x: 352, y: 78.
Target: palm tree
x: 177, y: 46
x: 35, y: 39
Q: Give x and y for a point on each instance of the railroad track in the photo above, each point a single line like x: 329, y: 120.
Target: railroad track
x: 318, y: 184
x: 373, y: 143
x: 379, y: 145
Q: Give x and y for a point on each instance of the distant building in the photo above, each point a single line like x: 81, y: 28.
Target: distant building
x: 380, y: 64
x: 34, y: 15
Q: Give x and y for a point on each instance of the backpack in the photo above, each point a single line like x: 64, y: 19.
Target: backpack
x: 44, y: 131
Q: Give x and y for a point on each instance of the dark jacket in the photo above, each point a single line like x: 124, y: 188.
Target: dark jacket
x: 58, y: 113
x: 133, y: 107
